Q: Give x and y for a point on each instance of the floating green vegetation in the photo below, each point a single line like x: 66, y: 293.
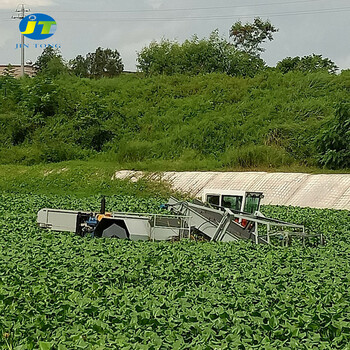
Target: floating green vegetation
x: 61, y: 291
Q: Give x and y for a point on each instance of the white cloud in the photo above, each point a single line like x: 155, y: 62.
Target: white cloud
x: 12, y: 4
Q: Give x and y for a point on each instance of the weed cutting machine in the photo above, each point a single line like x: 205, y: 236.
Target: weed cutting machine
x: 220, y: 216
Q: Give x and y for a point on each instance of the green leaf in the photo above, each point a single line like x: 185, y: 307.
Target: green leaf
x: 44, y: 345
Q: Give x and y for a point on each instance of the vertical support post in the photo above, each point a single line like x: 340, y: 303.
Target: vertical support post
x: 22, y: 55
x: 22, y: 43
x: 182, y: 231
x: 21, y: 14
x: 154, y: 227
x: 103, y: 205
x: 256, y: 232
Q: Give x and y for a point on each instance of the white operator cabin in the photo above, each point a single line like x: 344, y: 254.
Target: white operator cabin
x: 237, y: 201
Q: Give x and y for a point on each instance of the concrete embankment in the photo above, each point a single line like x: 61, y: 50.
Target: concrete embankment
x: 297, y: 189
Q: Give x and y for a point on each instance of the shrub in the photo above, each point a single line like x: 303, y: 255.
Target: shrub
x: 254, y: 156
x: 333, y: 142
x: 197, y: 56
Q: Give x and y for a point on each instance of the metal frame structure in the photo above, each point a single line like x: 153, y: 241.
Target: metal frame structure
x: 223, y: 224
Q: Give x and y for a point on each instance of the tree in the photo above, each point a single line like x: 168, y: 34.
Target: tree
x: 197, y: 56
x: 288, y: 64
x: 159, y: 58
x: 9, y: 86
x: 249, y: 36
x: 48, y: 54
x: 101, y: 63
x: 104, y: 63
x: 50, y: 62
x: 79, y: 66
x: 308, y: 64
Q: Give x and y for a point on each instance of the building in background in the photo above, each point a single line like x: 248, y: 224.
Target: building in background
x: 15, y: 70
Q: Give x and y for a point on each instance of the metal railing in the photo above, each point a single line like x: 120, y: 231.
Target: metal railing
x: 179, y: 224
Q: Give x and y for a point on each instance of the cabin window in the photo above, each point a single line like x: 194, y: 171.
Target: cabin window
x: 251, y: 204
x: 213, y: 200
x: 232, y: 202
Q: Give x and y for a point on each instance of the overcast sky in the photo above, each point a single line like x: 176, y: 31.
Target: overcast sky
x: 305, y: 26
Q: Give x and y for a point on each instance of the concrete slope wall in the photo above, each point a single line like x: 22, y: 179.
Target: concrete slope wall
x: 297, y: 189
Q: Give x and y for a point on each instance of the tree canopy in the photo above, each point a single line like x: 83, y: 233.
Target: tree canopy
x: 309, y: 64
x: 50, y: 62
x: 248, y: 37
x: 101, y: 63
x: 197, y: 56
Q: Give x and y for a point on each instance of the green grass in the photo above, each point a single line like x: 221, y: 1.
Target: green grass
x: 78, y: 177
x: 204, y: 122
x: 96, y: 177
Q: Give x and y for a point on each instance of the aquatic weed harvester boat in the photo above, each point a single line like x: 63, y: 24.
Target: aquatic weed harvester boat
x: 220, y: 216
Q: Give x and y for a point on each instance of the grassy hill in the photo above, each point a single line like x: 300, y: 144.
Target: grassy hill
x: 213, y: 121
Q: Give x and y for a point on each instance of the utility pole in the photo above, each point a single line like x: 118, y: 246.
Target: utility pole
x: 21, y: 11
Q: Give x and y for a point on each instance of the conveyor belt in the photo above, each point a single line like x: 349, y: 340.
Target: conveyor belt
x: 224, y: 225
